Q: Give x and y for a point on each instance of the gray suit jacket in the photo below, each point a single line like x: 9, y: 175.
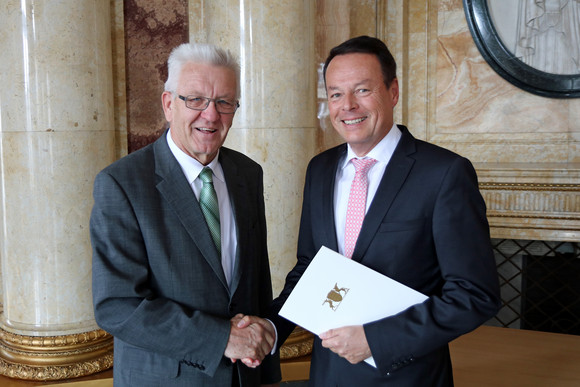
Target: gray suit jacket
x: 426, y: 228
x: 158, y: 283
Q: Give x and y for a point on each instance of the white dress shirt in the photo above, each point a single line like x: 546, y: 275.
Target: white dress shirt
x: 382, y: 152
x: 191, y: 168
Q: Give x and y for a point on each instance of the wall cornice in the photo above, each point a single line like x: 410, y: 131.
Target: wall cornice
x: 532, y: 201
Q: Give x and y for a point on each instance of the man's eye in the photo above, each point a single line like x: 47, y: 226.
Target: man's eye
x: 196, y: 99
x: 223, y: 102
x: 335, y: 96
x: 362, y: 91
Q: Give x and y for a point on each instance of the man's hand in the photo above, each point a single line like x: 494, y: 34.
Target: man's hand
x: 251, y: 339
x: 347, y: 342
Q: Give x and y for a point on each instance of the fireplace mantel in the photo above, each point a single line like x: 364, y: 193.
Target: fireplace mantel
x: 532, y: 201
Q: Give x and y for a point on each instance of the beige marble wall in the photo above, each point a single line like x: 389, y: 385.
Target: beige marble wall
x: 487, y: 118
x: 57, y: 130
x: 452, y: 97
x: 276, y: 123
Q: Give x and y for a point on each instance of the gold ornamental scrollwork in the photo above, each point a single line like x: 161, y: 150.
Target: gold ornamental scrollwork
x: 298, y: 344
x: 55, y: 357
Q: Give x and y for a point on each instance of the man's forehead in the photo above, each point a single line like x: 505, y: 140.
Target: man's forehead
x: 349, y: 82
x: 206, y: 69
x: 202, y: 76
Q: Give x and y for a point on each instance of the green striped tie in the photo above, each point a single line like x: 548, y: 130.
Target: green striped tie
x: 209, y: 206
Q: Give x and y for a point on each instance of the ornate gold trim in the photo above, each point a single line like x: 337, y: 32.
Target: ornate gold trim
x: 534, y: 211
x: 529, y: 187
x: 498, y: 214
x: 298, y: 344
x: 55, y: 357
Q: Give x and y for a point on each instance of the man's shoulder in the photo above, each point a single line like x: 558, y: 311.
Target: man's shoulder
x: 424, y: 149
x: 435, y: 160
x: 137, y: 163
x: 238, y: 158
x: 431, y: 149
x: 330, y: 155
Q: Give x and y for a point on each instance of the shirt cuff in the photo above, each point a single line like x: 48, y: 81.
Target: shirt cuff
x: 276, y: 340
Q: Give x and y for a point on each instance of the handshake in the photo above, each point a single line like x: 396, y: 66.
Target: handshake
x: 251, y: 339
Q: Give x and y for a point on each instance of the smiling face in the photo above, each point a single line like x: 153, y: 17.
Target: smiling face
x: 361, y: 106
x: 200, y: 134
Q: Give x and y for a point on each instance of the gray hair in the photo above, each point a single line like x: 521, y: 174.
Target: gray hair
x: 199, y: 53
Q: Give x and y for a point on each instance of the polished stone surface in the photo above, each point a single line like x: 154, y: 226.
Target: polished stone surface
x: 57, y: 125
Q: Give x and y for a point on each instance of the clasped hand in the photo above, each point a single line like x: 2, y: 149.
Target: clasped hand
x: 251, y: 339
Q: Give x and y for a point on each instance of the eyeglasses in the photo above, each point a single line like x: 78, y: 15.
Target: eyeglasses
x: 223, y: 106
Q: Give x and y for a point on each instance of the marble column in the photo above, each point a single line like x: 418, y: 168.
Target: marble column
x: 276, y: 123
x: 57, y: 131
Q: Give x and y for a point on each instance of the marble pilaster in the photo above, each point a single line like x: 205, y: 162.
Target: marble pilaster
x: 57, y: 131
x: 276, y: 122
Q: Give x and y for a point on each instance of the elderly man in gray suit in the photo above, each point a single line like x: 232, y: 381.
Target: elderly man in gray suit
x: 179, y: 242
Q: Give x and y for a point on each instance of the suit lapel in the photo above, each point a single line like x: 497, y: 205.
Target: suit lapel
x: 175, y: 189
x: 239, y: 197
x: 328, y: 179
x: 393, y: 179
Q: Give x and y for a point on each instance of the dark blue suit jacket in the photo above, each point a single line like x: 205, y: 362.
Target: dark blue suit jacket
x: 426, y: 228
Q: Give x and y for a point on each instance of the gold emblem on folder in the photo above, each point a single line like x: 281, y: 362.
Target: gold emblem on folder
x: 335, y: 297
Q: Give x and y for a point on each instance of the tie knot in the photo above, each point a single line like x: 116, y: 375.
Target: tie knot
x: 206, y: 175
x: 363, y: 165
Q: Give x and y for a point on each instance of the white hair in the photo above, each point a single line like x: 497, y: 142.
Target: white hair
x: 199, y: 53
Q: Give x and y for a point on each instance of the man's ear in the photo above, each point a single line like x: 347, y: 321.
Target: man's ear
x: 167, y: 103
x: 394, y: 92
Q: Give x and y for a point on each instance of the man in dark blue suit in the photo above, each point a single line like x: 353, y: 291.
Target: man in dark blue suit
x: 425, y: 226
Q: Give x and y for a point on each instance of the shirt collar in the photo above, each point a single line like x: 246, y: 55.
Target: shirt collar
x: 382, y: 152
x: 190, y: 166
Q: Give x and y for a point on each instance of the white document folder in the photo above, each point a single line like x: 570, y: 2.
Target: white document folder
x: 335, y: 291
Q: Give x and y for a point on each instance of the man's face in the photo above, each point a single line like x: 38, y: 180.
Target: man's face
x: 361, y: 106
x: 200, y: 134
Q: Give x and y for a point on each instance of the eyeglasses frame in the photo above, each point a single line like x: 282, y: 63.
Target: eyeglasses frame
x: 208, y: 100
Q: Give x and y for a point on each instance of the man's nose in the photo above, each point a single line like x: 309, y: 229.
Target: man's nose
x: 210, y: 113
x: 349, y: 102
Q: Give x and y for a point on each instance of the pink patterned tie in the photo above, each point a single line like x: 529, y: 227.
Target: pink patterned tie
x: 357, y: 202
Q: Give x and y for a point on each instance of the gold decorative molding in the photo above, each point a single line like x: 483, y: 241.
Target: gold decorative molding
x: 298, y: 344
x: 532, y: 201
x: 55, y: 357
x: 530, y: 186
